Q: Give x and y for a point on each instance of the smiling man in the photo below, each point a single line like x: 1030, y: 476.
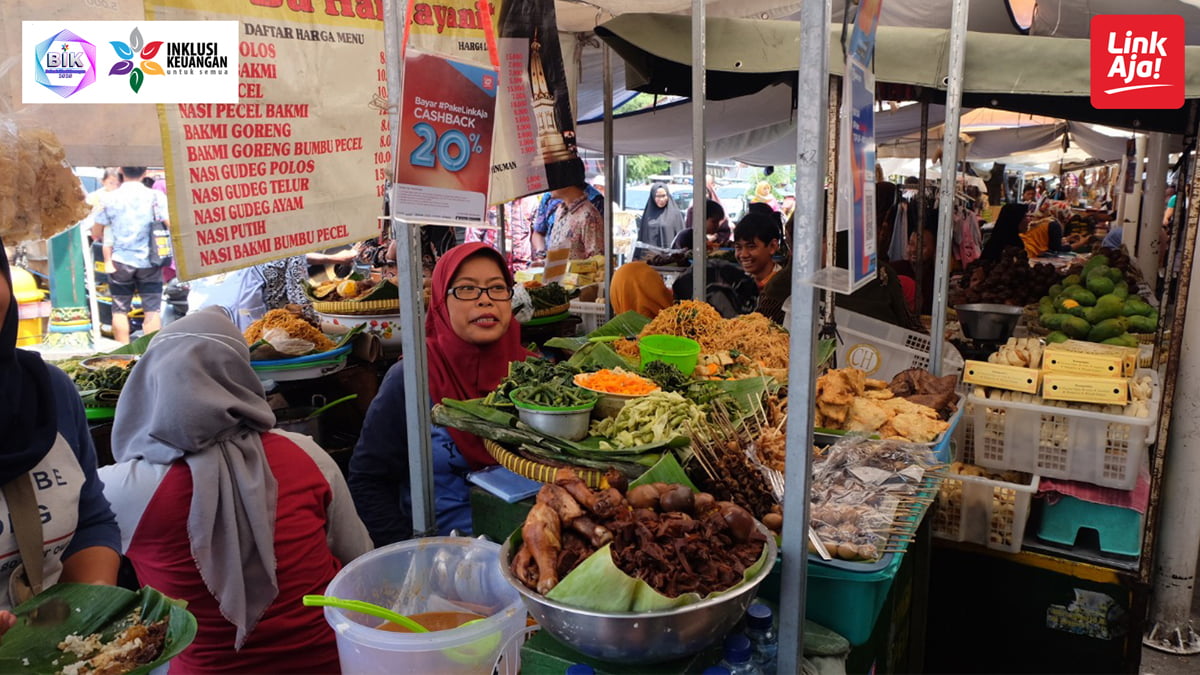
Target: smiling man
x: 755, y: 242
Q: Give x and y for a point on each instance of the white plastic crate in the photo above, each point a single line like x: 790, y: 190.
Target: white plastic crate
x: 983, y: 511
x: 883, y: 350
x: 1097, y: 448
x: 592, y: 314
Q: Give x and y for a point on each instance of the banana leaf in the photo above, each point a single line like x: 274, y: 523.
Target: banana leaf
x: 138, y: 346
x: 629, y: 324
x: 667, y: 470
x: 29, y: 648
x: 597, y: 355
x: 825, y: 350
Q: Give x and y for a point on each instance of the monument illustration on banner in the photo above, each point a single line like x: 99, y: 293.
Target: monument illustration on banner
x: 550, y: 138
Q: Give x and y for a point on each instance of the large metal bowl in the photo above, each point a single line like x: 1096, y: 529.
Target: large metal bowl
x: 641, y: 637
x: 987, y: 321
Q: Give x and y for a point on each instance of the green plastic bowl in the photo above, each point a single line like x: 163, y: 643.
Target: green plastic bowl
x: 681, y: 352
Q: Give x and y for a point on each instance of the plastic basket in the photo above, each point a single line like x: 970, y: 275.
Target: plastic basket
x: 848, y: 602
x: 592, y: 314
x: 883, y: 350
x: 1118, y: 530
x: 1097, y: 448
x: 982, y: 511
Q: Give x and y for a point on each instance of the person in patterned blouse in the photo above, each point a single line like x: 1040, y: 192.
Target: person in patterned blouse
x: 283, y: 284
x: 578, y: 226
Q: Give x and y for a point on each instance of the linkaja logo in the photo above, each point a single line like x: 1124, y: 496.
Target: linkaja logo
x: 1137, y: 61
x: 127, y: 52
x: 66, y: 63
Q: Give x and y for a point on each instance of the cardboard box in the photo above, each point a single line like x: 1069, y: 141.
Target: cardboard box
x: 1013, y: 378
x: 1075, y: 357
x: 1083, y: 389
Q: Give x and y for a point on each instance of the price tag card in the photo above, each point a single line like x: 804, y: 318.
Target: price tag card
x: 443, y: 167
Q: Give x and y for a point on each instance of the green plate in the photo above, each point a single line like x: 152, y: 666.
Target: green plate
x: 97, y: 609
x: 543, y: 320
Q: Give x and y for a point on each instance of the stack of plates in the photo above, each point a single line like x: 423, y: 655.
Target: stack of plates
x: 302, y: 367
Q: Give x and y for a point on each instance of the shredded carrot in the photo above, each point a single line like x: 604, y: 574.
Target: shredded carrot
x: 617, y: 382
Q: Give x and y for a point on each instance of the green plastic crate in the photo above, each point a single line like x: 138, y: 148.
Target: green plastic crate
x: 1119, y: 530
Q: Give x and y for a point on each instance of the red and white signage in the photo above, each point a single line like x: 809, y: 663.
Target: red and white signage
x: 1137, y: 61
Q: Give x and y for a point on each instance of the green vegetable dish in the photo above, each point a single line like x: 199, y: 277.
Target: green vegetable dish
x: 529, y: 372
x: 556, y: 396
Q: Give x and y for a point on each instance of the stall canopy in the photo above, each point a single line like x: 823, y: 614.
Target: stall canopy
x: 1005, y: 71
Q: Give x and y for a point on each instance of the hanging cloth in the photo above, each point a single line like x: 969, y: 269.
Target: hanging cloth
x: 898, y: 247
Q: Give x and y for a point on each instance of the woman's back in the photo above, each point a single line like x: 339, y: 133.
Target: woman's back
x: 289, y: 637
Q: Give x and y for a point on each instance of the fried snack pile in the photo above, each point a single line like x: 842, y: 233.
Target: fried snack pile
x: 848, y: 400
x: 295, y: 326
x: 676, y: 541
x: 751, y: 335
x: 39, y: 195
x: 337, y: 290
x: 137, y: 645
x: 924, y: 388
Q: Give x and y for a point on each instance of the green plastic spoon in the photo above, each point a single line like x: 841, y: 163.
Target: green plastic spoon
x: 365, y: 608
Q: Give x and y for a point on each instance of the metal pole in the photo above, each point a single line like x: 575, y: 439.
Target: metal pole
x: 501, y: 230
x: 699, y: 158
x: 1171, y: 628
x: 610, y: 178
x: 811, y: 140
x: 409, y: 280
x: 941, y: 273
x: 922, y: 175
x: 1150, y: 222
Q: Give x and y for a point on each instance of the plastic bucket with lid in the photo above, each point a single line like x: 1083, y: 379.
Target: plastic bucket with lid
x: 434, y: 574
x: 681, y: 352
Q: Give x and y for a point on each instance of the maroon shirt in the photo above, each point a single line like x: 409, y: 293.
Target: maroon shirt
x: 289, y: 638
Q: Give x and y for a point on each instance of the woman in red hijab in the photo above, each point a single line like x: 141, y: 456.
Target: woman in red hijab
x: 470, y: 337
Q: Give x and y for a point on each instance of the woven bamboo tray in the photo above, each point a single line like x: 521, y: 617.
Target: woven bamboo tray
x: 353, y: 307
x: 537, y: 470
x: 552, y: 311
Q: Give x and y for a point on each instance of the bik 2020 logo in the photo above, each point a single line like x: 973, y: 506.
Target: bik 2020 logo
x: 66, y: 63
x: 127, y: 52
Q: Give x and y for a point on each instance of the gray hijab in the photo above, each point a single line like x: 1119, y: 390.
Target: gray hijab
x: 193, y: 396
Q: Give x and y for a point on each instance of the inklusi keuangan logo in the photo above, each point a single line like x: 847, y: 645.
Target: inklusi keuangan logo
x: 66, y: 63
x: 182, y: 58
x: 1137, y: 61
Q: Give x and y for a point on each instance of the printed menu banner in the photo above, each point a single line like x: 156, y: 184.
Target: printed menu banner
x: 856, y: 183
x: 534, y: 148
x: 298, y: 164
x: 447, y: 110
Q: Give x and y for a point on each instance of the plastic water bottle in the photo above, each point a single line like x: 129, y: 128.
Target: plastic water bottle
x: 760, y: 628
x: 580, y: 669
x: 739, y: 656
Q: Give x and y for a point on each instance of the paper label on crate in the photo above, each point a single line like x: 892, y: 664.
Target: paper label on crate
x: 1013, y: 378
x: 1079, y: 363
x: 1128, y: 356
x: 1102, y: 390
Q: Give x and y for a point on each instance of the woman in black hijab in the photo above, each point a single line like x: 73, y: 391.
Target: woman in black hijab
x: 661, y: 220
x: 47, y: 459
x: 1011, y: 222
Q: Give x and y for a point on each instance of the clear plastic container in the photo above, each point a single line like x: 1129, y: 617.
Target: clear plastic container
x: 434, y: 574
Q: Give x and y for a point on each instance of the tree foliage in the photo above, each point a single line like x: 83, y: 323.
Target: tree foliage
x: 640, y: 167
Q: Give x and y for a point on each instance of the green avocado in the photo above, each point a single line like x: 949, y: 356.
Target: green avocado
x: 1055, y: 321
x: 1045, y: 306
x: 1109, y: 328
x: 1097, y: 271
x: 1135, y: 306
x: 1123, y: 340
x: 1108, y: 307
x: 1054, y: 291
x: 1142, y: 324
x: 1100, y: 285
x: 1076, y: 327
x: 1080, y: 294
x: 1121, y: 290
x: 1116, y: 275
x: 1057, y: 336
x: 1084, y: 312
x: 1153, y: 316
x: 1094, y: 262
x: 1073, y: 280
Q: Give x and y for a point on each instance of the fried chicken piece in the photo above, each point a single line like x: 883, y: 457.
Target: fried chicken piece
x: 604, y: 503
x: 918, y: 428
x: 839, y: 387
x: 523, y: 567
x: 866, y: 415
x: 901, y: 406
x: 878, y: 394
x: 542, y: 533
x: 571, y: 514
x: 869, y: 384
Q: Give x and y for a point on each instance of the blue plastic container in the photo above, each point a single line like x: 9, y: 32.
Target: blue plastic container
x: 1119, y: 530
